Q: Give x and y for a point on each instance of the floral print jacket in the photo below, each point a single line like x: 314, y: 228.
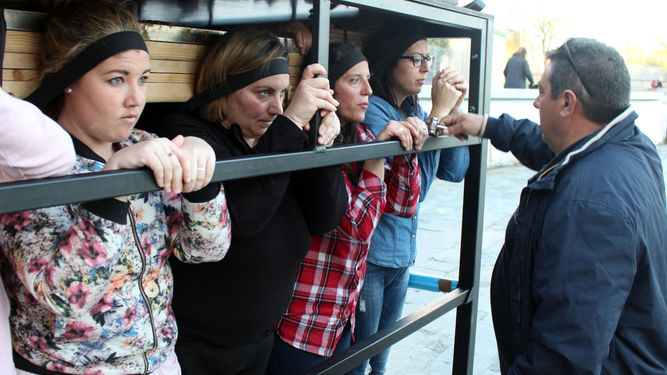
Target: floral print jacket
x: 89, y: 283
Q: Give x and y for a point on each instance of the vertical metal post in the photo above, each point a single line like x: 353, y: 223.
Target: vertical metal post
x: 320, y: 52
x: 473, y: 210
x: 3, y: 37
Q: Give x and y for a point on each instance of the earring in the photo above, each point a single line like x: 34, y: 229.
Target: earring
x: 68, y: 90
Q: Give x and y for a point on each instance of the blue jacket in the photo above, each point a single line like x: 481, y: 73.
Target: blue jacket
x: 394, y: 242
x: 580, y: 286
x: 516, y: 71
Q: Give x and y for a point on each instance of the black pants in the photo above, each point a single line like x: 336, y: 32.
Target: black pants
x: 199, y: 357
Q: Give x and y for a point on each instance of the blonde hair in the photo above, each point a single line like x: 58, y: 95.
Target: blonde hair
x: 73, y: 25
x: 236, y: 52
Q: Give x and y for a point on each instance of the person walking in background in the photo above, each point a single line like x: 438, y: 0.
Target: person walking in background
x: 517, y: 71
x: 579, y: 286
x: 400, y: 61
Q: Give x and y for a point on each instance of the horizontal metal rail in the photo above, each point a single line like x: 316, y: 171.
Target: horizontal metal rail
x: 374, y: 344
x: 31, y: 194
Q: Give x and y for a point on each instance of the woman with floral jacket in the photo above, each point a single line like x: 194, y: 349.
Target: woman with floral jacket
x: 89, y: 283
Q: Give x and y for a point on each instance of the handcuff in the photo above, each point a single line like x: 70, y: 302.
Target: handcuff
x: 433, y: 126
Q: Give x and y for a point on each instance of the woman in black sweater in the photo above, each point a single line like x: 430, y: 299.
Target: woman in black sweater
x: 226, y: 310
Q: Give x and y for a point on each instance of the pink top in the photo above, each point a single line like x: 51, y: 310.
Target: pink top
x: 31, y: 146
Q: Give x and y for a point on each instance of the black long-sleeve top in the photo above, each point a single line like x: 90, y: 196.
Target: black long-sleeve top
x: 239, y: 299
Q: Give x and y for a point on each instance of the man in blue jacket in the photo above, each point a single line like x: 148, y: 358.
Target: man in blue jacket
x: 580, y: 285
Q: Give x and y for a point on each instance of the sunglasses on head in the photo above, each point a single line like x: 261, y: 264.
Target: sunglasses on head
x: 576, y: 71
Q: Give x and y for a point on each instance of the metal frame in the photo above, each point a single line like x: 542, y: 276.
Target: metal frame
x: 459, y: 22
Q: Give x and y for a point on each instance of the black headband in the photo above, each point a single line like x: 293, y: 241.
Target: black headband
x: 237, y: 81
x: 86, y: 60
x: 337, y: 69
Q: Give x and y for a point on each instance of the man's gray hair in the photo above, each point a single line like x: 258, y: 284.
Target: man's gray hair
x: 596, y: 67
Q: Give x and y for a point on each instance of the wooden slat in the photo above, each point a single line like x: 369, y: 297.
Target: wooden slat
x: 173, y: 66
x: 295, y: 71
x: 353, y: 37
x: 295, y: 59
x: 20, y: 74
x: 169, y: 92
x: 19, y: 89
x: 15, y: 60
x: 171, y: 78
x: 169, y: 66
x: 23, y: 41
x: 175, y: 51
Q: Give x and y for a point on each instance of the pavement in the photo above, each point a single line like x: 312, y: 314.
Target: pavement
x: 430, y: 350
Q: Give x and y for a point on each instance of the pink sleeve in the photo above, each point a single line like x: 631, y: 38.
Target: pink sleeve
x: 32, y: 145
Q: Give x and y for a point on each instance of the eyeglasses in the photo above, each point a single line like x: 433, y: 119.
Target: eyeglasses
x: 571, y: 60
x: 419, y: 60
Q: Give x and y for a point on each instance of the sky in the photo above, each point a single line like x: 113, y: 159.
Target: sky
x: 614, y: 22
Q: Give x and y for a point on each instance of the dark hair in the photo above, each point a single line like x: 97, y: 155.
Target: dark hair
x: 337, y: 51
x: 604, y: 71
x: 383, y: 50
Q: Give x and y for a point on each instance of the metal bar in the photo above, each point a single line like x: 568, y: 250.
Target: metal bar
x: 372, y: 345
x: 453, y: 16
x: 320, y: 50
x: 473, y: 210
x: 3, y: 39
x: 26, y: 195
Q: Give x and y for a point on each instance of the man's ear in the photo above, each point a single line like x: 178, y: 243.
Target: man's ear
x: 568, y: 103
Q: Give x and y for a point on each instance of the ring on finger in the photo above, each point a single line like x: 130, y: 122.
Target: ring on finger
x: 170, y: 154
x: 201, y: 169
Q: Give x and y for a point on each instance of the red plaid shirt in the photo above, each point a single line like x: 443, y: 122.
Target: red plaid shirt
x: 330, y: 277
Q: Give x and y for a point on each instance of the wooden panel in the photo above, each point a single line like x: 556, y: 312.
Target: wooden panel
x: 20, y: 74
x: 171, y: 78
x: 295, y: 59
x: 175, y: 51
x: 168, y: 66
x: 19, y: 89
x: 353, y: 37
x: 295, y: 72
x: 169, y: 92
x: 15, y: 60
x: 173, y: 66
x: 23, y: 41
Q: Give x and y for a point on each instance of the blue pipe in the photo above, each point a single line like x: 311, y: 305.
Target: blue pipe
x: 430, y: 283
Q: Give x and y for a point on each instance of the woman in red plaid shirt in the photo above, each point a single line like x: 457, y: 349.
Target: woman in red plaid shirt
x: 320, y: 316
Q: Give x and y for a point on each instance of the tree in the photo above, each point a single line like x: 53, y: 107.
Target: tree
x: 547, y: 30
